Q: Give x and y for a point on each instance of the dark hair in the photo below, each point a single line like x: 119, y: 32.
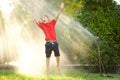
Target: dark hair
x: 46, y: 16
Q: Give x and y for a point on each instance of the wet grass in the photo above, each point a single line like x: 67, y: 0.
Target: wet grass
x: 65, y: 75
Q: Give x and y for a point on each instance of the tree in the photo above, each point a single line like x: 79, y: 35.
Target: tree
x: 102, y: 18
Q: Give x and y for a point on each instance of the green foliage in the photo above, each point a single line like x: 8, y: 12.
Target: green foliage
x: 102, y: 18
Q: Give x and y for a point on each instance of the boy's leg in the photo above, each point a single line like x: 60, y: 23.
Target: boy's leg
x: 47, y: 66
x: 58, y: 64
x: 48, y: 50
x: 57, y: 55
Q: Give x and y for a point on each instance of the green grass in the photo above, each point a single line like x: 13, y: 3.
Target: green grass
x: 66, y: 75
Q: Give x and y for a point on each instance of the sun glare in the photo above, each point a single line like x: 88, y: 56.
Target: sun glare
x: 25, y: 40
x: 30, y: 54
x: 31, y: 60
x: 118, y: 1
x: 6, y: 6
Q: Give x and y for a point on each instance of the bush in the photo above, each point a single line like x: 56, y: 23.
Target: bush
x: 102, y: 18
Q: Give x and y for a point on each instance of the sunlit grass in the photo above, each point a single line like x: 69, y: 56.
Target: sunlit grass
x: 66, y: 75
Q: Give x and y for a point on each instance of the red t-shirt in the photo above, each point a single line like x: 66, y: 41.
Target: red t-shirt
x: 48, y: 29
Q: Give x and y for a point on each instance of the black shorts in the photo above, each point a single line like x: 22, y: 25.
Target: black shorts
x: 51, y: 46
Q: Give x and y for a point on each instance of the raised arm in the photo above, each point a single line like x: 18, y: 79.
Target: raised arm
x: 59, y: 12
x: 33, y: 14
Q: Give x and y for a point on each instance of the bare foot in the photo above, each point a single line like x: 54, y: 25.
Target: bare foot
x: 48, y: 74
x: 58, y: 71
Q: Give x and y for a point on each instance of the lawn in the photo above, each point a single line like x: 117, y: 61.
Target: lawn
x: 65, y: 75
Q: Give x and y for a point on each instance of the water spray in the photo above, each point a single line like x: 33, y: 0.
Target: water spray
x: 29, y: 41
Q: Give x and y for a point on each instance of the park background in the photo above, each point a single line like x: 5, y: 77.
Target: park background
x: 88, y: 33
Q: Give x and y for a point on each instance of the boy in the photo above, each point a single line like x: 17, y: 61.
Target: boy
x: 48, y: 27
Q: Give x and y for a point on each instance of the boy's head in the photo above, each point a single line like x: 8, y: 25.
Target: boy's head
x: 45, y: 18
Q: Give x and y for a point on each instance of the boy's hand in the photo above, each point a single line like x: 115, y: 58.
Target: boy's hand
x: 62, y: 5
x: 33, y: 8
x: 61, y: 8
